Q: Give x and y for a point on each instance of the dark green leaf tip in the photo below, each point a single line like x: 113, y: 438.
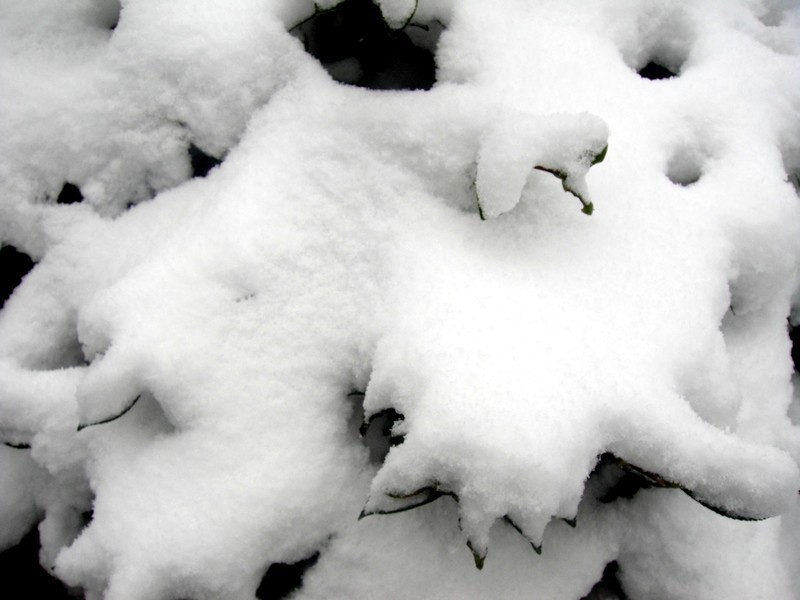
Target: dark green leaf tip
x: 601, y: 156
x: 588, y: 209
x: 476, y: 556
x: 537, y: 549
x: 573, y: 522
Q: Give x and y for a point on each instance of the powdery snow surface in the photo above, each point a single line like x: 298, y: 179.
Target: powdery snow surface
x: 415, y: 246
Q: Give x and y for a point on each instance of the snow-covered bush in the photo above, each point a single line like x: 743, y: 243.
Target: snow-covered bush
x: 258, y: 262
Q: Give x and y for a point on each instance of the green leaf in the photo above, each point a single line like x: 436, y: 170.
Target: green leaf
x: 600, y: 157
x: 478, y: 557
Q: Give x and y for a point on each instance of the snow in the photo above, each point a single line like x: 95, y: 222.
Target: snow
x: 416, y: 246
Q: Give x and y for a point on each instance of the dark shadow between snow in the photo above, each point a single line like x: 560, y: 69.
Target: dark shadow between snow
x: 608, y: 588
x: 281, y: 579
x: 376, y: 432
x: 14, y: 265
x: 655, y: 71
x: 69, y: 194
x: 357, y: 47
x: 20, y: 570
x: 201, y: 162
x: 794, y: 336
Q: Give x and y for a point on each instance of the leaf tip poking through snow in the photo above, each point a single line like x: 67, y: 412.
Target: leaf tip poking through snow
x: 566, y: 146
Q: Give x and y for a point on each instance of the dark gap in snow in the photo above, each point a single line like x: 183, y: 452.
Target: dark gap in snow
x: 794, y: 336
x: 20, y: 570
x: 625, y: 487
x: 202, y: 163
x: 614, y: 482
x: 281, y: 579
x: 14, y: 265
x: 608, y: 588
x: 793, y: 175
x: 375, y: 433
x: 357, y: 47
x: 69, y: 194
x: 654, y: 71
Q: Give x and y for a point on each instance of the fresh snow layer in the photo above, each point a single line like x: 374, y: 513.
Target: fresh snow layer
x: 428, y: 248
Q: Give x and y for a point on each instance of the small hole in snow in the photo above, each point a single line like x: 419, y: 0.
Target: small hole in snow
x: 69, y: 194
x: 608, y: 588
x: 685, y: 167
x: 357, y: 47
x: 611, y: 482
x: 202, y: 163
x: 14, y: 266
x: 654, y: 70
x: 377, y: 433
x: 281, y: 579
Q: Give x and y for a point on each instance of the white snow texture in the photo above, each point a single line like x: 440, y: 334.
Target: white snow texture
x: 417, y: 247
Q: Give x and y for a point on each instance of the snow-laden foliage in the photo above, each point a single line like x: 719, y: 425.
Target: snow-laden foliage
x: 191, y: 358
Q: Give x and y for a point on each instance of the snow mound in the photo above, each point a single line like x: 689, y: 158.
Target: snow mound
x: 556, y: 276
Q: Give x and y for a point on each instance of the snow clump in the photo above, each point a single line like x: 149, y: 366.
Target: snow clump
x: 191, y: 357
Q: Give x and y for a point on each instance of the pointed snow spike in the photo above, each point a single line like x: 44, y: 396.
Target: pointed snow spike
x: 573, y: 522
x: 477, y: 556
x: 588, y: 207
x: 536, y: 547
